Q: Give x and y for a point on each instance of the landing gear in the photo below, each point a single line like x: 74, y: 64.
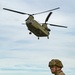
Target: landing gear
x: 38, y: 38
x: 47, y: 37
x: 30, y: 32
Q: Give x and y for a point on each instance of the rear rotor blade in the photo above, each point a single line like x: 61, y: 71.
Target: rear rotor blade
x: 48, y: 17
x: 58, y: 25
x: 15, y: 11
x: 47, y: 11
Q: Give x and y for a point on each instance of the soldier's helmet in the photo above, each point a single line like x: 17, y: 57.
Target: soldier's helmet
x: 55, y: 62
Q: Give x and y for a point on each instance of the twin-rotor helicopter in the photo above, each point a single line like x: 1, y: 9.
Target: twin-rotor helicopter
x: 38, y: 29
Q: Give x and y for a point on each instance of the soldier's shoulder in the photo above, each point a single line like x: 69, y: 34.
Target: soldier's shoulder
x: 61, y: 73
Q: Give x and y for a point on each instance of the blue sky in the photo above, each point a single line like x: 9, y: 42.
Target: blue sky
x: 24, y: 54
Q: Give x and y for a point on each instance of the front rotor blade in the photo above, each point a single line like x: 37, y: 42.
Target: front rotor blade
x: 15, y: 11
x: 58, y: 25
x: 47, y: 11
x: 48, y: 17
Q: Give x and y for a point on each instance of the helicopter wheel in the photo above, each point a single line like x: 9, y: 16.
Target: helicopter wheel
x: 48, y: 37
x: 38, y: 38
x: 30, y: 33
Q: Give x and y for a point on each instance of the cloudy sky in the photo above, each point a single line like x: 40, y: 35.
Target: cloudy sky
x: 24, y: 54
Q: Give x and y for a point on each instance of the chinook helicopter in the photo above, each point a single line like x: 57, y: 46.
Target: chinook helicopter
x: 38, y: 29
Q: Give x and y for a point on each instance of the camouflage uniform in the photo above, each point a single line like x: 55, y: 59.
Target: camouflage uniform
x: 60, y: 73
x: 58, y: 63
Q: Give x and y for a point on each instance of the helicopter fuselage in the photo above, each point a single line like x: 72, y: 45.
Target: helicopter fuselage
x: 36, y: 28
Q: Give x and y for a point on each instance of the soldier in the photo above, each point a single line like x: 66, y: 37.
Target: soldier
x: 56, y: 67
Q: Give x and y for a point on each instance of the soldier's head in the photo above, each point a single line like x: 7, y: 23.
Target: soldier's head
x: 55, y: 65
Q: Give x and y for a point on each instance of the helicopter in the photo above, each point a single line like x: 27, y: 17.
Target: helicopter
x: 40, y: 30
